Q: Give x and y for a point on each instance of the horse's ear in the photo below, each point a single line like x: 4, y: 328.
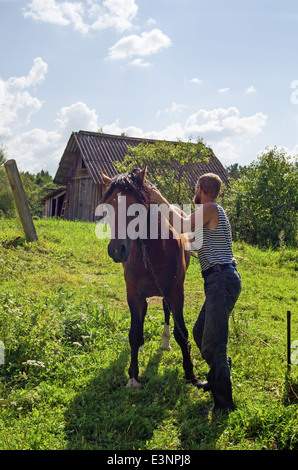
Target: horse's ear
x: 142, y: 174
x: 105, y: 179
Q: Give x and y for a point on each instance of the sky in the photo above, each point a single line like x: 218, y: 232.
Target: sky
x: 225, y: 71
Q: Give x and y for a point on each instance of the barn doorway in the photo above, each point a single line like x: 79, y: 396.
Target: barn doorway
x: 57, y: 204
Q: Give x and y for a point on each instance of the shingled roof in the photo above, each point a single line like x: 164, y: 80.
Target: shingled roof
x: 99, y: 151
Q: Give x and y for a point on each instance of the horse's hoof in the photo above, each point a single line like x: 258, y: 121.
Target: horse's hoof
x: 166, y: 346
x: 133, y: 384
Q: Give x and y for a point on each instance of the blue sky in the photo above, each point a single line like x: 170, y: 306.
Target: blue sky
x: 221, y: 70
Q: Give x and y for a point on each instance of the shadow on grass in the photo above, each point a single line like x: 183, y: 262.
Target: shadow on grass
x: 108, y: 416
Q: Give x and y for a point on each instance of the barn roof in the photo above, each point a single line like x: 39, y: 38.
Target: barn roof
x: 99, y: 151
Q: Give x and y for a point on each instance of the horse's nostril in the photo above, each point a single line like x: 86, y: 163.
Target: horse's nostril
x: 118, y: 253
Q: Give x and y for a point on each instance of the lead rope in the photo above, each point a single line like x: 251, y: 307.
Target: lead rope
x: 146, y: 260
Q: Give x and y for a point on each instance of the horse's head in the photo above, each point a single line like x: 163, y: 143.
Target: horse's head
x: 126, y: 194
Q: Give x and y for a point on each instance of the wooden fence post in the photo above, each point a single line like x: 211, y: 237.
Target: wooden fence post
x: 20, y: 199
x: 289, y: 340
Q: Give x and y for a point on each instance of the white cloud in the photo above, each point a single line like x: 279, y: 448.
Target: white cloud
x: 48, y: 11
x: 37, y: 149
x: 115, y: 129
x: 74, y: 12
x: 294, y: 152
x: 196, y: 80
x: 223, y: 90
x: 224, y: 130
x: 151, y: 22
x: 220, y: 122
x: 116, y: 14
x: 77, y: 116
x: 84, y: 15
x: 35, y: 76
x: 140, y: 63
x: 146, y: 44
x: 40, y: 149
x: 17, y: 104
x: 172, y: 132
x: 227, y: 151
x: 217, y: 125
x: 174, y: 110
x: 250, y: 89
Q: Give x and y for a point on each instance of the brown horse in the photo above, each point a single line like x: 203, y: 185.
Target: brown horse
x: 152, y: 267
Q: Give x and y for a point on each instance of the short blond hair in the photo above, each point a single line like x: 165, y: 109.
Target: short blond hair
x: 210, y: 184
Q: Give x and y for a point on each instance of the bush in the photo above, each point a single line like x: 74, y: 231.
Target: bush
x: 7, y: 205
x: 262, y: 203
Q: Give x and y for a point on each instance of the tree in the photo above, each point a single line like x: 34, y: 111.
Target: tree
x: 167, y: 165
x: 234, y: 170
x: 42, y: 178
x: 262, y: 203
x: 2, y: 155
x: 7, y: 205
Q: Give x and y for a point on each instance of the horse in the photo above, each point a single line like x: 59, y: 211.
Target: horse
x: 152, y: 267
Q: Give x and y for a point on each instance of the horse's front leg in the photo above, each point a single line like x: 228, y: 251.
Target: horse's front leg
x: 138, y: 309
x: 176, y: 302
x: 166, y: 330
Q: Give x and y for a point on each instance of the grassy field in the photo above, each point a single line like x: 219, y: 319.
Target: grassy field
x: 64, y: 323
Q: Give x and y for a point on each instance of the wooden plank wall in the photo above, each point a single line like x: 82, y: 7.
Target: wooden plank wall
x: 47, y: 208
x: 83, y: 196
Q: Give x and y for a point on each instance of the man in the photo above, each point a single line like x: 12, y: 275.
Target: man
x: 222, y: 284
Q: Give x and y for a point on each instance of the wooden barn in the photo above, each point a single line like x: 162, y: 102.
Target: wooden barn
x: 78, y: 175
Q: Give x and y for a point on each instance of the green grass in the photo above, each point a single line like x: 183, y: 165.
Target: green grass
x: 64, y: 322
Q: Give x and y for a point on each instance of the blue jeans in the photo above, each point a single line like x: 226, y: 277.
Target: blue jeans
x: 211, y: 329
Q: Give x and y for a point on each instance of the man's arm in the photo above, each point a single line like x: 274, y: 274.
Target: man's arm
x: 178, y: 219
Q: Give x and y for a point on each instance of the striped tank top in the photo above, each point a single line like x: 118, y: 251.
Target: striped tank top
x: 216, y: 245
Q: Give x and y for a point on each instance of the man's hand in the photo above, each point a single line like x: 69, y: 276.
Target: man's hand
x: 156, y: 197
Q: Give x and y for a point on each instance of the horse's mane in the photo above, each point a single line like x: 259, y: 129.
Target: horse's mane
x: 129, y: 183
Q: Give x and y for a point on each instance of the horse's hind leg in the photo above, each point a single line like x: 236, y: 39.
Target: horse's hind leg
x: 166, y: 329
x: 181, y: 335
x: 138, y: 309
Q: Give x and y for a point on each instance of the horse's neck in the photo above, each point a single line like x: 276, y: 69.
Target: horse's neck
x: 156, y: 223
x: 153, y: 230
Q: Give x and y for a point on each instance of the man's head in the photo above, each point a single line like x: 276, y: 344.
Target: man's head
x: 209, y: 184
